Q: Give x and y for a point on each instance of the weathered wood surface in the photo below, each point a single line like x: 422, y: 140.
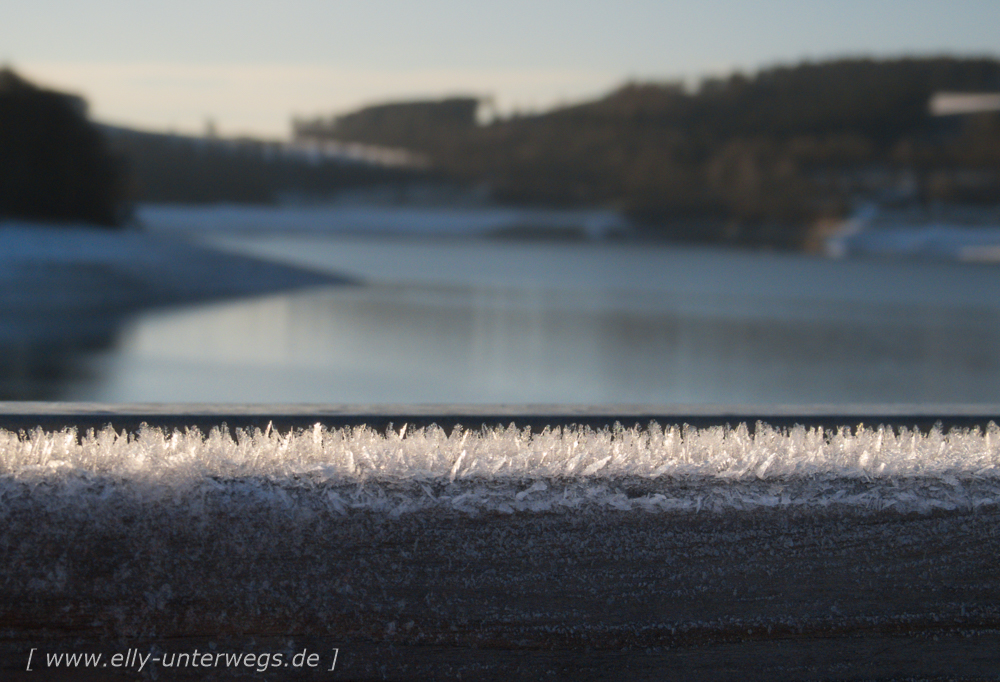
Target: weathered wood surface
x: 770, y: 595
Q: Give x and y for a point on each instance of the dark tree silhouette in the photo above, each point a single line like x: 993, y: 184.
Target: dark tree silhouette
x: 55, y: 164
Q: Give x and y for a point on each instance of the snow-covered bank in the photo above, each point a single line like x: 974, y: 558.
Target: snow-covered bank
x: 341, y: 471
x: 953, y: 233
x: 977, y: 244
x: 80, y: 267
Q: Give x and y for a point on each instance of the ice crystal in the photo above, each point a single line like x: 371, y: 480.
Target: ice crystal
x: 509, y: 470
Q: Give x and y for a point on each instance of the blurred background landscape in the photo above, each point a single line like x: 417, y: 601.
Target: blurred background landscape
x: 816, y: 223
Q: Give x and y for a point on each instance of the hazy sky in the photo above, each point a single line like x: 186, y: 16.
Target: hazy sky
x: 251, y: 65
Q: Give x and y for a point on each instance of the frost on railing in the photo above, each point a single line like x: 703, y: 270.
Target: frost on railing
x: 344, y: 471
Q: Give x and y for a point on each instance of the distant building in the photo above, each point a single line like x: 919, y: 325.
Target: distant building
x: 959, y: 103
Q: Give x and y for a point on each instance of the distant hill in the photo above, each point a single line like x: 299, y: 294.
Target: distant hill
x: 748, y: 159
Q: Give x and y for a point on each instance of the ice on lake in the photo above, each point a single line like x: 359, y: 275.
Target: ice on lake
x: 481, y: 321
x: 433, y: 318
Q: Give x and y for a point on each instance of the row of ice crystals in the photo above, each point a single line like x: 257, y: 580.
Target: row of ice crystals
x: 360, y: 454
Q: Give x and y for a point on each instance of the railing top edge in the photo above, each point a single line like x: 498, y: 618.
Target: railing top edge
x: 52, y: 416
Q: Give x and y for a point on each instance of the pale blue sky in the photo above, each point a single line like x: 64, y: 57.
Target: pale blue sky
x: 253, y: 64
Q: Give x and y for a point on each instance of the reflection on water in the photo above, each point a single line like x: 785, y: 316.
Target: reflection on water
x: 49, y: 318
x: 40, y: 354
x: 482, y: 322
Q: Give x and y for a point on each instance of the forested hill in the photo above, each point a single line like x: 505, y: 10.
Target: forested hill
x: 880, y: 100
x: 752, y: 159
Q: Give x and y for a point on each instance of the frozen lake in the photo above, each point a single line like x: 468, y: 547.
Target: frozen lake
x: 471, y: 320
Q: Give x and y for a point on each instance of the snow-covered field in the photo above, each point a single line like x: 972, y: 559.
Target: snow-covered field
x: 977, y: 244
x: 964, y: 233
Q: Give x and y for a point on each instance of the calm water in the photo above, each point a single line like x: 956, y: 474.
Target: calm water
x: 479, y: 321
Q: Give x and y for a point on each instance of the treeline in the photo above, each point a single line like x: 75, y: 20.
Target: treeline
x: 398, y: 124
x: 180, y: 169
x: 751, y: 159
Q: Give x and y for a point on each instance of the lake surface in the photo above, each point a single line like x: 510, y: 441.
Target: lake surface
x: 436, y: 320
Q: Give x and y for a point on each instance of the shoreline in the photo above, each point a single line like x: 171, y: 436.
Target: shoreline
x: 75, y: 268
x: 68, y: 290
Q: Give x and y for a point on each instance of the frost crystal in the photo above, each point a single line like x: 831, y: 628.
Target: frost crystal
x: 513, y: 471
